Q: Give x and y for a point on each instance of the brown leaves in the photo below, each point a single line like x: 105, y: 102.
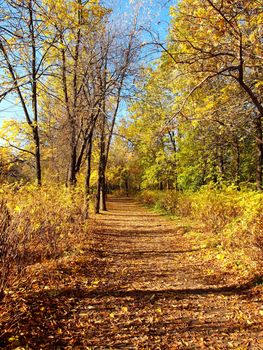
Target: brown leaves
x: 143, y: 289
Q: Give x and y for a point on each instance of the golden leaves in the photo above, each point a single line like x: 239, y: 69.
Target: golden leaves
x: 124, y: 309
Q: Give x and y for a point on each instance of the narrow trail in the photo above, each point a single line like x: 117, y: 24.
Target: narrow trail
x: 156, y: 289
x: 145, y: 287
x: 149, y: 250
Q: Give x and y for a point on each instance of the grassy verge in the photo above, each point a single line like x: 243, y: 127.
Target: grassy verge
x: 230, y: 221
x: 37, y: 228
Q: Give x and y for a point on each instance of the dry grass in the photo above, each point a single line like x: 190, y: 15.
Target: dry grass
x: 144, y: 287
x: 230, y: 219
x: 37, y: 225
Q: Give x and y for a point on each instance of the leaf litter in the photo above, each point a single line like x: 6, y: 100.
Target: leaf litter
x: 140, y: 286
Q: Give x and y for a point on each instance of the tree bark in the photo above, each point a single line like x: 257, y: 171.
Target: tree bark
x: 87, y: 177
x: 173, y: 142
x: 101, y: 186
x: 258, y: 122
x: 259, y: 153
x: 37, y: 156
x: 35, y: 128
x: 97, y: 201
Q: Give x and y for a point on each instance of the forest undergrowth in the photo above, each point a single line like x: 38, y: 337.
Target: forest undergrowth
x: 38, y: 227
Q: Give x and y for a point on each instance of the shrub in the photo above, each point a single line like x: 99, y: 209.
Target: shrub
x: 234, y: 217
x: 149, y: 197
x: 216, y: 209
x: 37, y: 224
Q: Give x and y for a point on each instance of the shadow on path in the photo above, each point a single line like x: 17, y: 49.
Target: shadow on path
x: 146, y: 288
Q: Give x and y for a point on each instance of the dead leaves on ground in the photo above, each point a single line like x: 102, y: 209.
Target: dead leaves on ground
x: 116, y: 298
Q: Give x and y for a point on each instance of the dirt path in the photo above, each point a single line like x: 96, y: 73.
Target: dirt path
x: 146, y: 288
x: 159, y: 294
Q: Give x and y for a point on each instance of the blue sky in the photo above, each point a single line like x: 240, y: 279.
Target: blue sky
x: 10, y: 108
x: 152, y: 15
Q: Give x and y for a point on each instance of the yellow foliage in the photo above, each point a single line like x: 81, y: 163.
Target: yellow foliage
x: 231, y: 222
x: 40, y: 223
x: 124, y: 309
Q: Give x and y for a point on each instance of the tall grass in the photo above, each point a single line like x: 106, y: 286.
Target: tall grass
x: 233, y: 219
x: 36, y: 225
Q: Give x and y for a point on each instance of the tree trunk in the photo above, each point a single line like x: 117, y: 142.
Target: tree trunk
x: 258, y: 122
x: 87, y: 178
x: 173, y: 142
x: 35, y: 129
x: 37, y: 156
x: 259, y: 146
x: 71, y: 119
x: 97, y: 202
x: 72, y: 168
x: 101, y: 169
x: 101, y: 187
x: 102, y: 161
x: 73, y: 115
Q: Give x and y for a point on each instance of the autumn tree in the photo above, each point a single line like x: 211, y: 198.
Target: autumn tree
x: 121, y: 53
x: 75, y: 56
x: 155, y: 144
x: 220, y: 41
x: 24, y: 62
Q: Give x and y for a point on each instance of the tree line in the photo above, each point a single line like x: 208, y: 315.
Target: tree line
x: 198, y: 113
x: 194, y: 114
x: 67, y: 64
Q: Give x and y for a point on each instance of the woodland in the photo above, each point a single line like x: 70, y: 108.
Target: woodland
x: 131, y: 174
